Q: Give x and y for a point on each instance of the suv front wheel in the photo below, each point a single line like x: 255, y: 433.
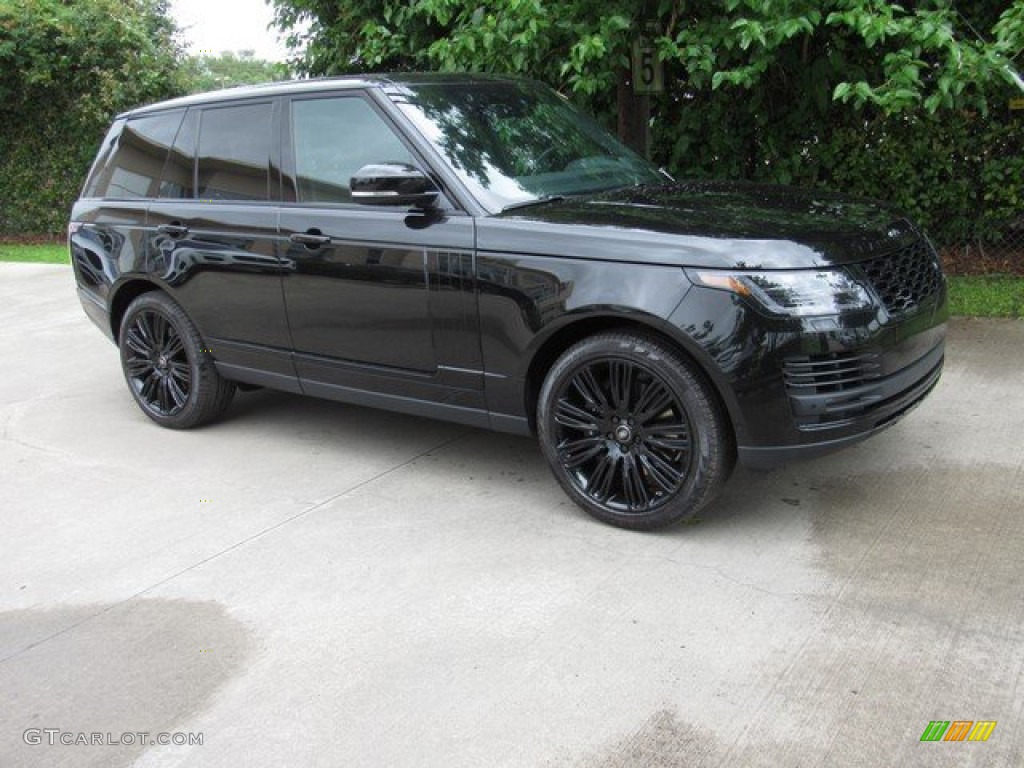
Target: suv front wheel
x: 632, y: 432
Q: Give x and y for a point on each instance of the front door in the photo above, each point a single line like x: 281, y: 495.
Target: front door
x: 378, y: 298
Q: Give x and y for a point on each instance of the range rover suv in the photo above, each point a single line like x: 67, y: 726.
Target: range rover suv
x: 473, y: 248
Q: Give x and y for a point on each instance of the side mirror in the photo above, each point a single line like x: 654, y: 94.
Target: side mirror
x: 392, y: 184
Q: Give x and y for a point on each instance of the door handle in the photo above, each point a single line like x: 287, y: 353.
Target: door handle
x: 310, y: 239
x: 173, y: 229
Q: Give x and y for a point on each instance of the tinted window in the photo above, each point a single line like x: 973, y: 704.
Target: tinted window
x: 334, y: 138
x: 514, y: 142
x: 131, y: 162
x: 234, y: 153
x: 179, y: 173
x: 103, y: 157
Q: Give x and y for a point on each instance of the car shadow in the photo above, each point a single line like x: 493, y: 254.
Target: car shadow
x: 506, y: 461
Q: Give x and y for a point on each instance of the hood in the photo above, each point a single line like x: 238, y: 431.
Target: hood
x: 711, y: 224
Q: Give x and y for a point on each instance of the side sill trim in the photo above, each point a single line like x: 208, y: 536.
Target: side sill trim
x: 472, y: 417
x: 512, y: 425
x: 258, y: 377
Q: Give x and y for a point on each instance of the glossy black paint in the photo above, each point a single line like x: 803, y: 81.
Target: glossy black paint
x: 393, y: 184
x: 706, y: 224
x: 456, y: 312
x: 747, y: 353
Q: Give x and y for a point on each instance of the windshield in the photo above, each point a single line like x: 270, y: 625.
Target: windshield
x: 517, y: 142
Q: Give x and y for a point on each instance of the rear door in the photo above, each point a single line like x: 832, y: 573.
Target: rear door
x: 378, y: 298
x: 213, y: 237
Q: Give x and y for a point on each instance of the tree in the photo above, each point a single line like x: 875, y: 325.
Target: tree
x: 874, y: 52
x: 226, y: 69
x: 793, y: 91
x: 65, y: 69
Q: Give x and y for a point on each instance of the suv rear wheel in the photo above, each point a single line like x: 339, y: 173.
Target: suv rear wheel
x: 169, y: 373
x: 632, y: 432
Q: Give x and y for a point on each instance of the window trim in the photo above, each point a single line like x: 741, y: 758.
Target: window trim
x: 174, y: 143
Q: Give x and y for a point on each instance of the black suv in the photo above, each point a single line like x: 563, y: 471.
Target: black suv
x: 473, y: 248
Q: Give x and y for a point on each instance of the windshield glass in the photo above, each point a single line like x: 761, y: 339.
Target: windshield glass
x: 517, y: 142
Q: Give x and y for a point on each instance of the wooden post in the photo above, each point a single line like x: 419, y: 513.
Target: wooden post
x: 634, y: 116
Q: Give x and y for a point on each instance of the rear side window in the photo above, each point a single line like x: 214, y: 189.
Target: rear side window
x: 334, y: 138
x: 234, y: 153
x: 131, y: 161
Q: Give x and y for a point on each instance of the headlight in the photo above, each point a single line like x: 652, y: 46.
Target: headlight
x: 803, y: 293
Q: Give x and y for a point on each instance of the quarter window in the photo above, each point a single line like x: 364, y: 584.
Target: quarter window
x: 334, y: 138
x: 131, y: 165
x: 234, y: 153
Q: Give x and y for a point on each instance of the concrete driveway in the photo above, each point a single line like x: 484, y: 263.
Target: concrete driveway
x: 311, y: 584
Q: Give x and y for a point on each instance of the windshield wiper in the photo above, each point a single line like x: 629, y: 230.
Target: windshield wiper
x: 536, y: 201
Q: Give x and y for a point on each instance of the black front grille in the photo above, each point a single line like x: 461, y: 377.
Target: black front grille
x: 905, y: 278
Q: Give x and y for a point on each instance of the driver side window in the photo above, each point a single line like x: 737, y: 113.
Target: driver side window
x: 334, y: 138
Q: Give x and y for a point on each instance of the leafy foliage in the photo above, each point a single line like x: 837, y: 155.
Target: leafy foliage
x: 227, y: 69
x: 903, y: 102
x: 65, y: 69
x: 872, y: 52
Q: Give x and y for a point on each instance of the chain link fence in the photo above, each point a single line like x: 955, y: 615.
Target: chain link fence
x: 997, y: 250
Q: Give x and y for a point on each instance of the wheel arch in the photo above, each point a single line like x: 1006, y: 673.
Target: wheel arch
x: 563, y: 338
x: 123, y: 296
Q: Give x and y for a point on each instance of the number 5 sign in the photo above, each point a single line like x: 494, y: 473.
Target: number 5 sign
x: 648, y: 69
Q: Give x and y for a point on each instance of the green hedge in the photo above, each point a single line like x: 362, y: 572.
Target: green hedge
x: 42, y: 169
x: 959, y: 174
x: 65, y: 70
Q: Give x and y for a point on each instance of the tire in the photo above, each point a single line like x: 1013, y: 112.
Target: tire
x: 169, y: 372
x: 632, y: 431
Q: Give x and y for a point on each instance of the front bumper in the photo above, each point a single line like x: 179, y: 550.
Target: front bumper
x: 799, y: 388
x: 859, y: 411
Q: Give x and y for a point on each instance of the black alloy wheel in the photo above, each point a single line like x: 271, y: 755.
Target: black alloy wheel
x: 631, y: 432
x: 169, y: 372
x: 158, y: 369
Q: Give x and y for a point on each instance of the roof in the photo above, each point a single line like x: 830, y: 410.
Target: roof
x: 314, y: 85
